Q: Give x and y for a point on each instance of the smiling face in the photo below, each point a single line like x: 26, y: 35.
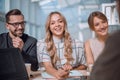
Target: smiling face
x: 16, y: 25
x: 98, y: 23
x: 57, y: 25
x: 100, y: 26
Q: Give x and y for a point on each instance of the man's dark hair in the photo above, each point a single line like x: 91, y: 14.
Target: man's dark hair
x: 12, y: 12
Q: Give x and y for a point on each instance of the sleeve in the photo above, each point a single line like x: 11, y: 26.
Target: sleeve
x: 81, y: 53
x: 42, y: 54
x: 29, y: 53
x: 82, y: 59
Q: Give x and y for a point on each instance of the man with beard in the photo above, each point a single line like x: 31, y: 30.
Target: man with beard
x: 16, y: 38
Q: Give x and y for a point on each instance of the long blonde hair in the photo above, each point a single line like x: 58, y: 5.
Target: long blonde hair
x: 51, y: 48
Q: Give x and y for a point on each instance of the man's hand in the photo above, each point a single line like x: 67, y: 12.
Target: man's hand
x: 18, y: 43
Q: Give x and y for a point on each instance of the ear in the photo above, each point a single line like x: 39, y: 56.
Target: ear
x: 7, y: 26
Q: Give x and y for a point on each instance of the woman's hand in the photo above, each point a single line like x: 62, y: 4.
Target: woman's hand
x: 67, y: 67
x: 59, y: 74
x: 80, y: 67
x: 63, y: 73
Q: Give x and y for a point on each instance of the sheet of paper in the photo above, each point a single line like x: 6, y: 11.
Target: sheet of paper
x: 75, y: 73
x: 46, y: 75
x: 72, y: 73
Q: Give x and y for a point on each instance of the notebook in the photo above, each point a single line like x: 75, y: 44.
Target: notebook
x: 72, y: 73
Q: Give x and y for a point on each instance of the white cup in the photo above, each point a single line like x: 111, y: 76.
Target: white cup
x: 28, y: 68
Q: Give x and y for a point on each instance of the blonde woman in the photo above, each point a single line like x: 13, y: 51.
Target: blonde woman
x: 58, y: 52
x: 93, y: 47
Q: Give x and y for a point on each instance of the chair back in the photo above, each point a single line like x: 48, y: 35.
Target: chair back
x: 12, y: 66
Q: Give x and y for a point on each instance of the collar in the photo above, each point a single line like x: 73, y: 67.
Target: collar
x: 57, y: 40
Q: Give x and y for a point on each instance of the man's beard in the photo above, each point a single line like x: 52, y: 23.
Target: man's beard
x: 16, y: 34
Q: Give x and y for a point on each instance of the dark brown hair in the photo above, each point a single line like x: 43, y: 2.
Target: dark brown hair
x: 97, y: 14
x: 13, y: 12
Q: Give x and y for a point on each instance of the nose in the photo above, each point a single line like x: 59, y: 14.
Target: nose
x: 101, y: 25
x: 57, y: 24
x: 20, y: 26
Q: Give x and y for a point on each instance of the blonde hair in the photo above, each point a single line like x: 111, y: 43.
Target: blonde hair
x: 50, y: 44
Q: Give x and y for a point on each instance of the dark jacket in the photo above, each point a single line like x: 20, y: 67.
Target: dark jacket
x: 29, y: 52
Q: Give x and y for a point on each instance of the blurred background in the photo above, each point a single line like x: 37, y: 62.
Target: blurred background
x: 75, y: 11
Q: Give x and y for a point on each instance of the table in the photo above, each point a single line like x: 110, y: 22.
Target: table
x: 38, y: 76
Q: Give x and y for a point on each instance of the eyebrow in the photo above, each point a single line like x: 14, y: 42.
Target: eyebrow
x: 16, y: 22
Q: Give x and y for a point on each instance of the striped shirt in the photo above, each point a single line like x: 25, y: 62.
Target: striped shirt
x: 78, y: 52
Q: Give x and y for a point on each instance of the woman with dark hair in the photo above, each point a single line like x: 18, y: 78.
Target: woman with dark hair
x: 93, y: 47
x: 107, y: 66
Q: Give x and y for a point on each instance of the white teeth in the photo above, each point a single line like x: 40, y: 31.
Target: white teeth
x: 58, y: 29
